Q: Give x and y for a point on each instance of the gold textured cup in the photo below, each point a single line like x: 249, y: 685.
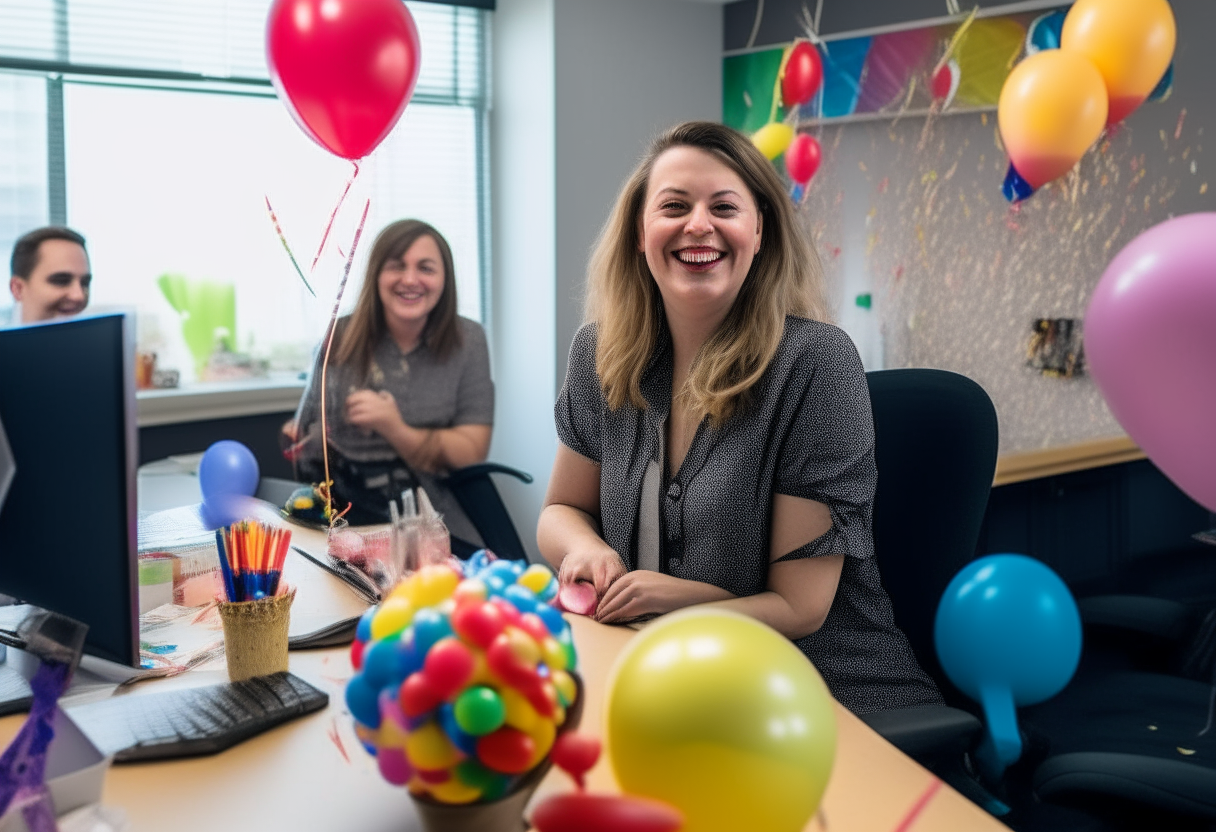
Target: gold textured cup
x: 255, y: 635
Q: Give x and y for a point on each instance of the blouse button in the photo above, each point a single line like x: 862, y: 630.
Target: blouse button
x: 674, y: 491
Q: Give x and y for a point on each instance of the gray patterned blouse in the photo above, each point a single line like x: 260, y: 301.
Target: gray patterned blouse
x: 806, y: 431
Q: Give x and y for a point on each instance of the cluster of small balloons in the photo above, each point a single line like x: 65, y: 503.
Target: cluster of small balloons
x: 1111, y: 55
x: 801, y: 78
x: 463, y: 683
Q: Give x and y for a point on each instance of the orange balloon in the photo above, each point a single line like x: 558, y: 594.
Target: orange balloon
x: 1052, y: 109
x: 1131, y: 42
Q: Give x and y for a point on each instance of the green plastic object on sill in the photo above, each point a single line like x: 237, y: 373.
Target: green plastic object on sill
x: 208, y: 312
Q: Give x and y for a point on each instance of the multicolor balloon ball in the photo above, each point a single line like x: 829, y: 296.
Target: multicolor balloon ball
x: 463, y: 680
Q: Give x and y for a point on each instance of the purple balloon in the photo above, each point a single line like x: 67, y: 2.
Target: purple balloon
x: 227, y: 468
x: 1150, y: 341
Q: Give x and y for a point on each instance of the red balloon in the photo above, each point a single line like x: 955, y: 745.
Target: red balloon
x: 448, y: 666
x: 583, y: 812
x: 507, y: 750
x: 803, y: 74
x: 344, y: 68
x: 418, y: 695
x: 575, y: 754
x: 802, y: 158
x: 478, y: 623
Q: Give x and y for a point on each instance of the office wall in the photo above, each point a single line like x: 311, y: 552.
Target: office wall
x: 579, y: 88
x: 908, y: 211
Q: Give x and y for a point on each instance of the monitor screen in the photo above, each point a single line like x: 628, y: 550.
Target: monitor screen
x: 67, y: 528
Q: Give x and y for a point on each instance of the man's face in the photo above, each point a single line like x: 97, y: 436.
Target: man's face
x: 58, y: 286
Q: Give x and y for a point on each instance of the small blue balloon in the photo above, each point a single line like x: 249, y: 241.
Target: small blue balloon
x: 521, y: 597
x: 362, y: 699
x: 1164, y: 87
x: 1044, y: 32
x: 1008, y: 634
x: 227, y: 467
x: 381, y: 664
x: 363, y: 631
x: 552, y: 618
x: 447, y: 721
x: 1015, y: 188
x: 478, y: 561
x: 428, y: 626
x: 409, y: 659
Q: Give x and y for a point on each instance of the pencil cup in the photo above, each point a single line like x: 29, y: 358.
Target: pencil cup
x: 255, y: 635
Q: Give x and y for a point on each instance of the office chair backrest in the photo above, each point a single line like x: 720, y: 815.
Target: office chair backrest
x: 936, y: 447
x: 477, y: 495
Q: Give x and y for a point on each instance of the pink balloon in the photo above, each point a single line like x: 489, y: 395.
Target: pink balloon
x: 1150, y: 339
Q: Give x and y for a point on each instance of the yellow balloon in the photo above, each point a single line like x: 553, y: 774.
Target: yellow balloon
x: 773, y: 139
x: 723, y: 718
x: 1052, y: 109
x: 1131, y: 42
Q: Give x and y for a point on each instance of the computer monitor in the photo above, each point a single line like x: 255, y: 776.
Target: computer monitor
x: 68, y: 526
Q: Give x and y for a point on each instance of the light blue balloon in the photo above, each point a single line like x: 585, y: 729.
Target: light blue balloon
x: 227, y: 468
x: 1008, y: 634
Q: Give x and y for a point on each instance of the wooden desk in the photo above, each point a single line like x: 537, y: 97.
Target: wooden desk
x: 312, y: 774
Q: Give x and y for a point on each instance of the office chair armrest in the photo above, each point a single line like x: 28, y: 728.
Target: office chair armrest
x: 1139, y: 614
x: 485, y: 468
x: 926, y: 731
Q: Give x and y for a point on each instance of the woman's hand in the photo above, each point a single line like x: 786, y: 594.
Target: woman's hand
x: 599, y: 567
x: 373, y: 410
x: 643, y: 592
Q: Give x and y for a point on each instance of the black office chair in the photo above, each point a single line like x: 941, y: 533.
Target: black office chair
x: 479, y: 498
x: 1128, y: 744
x: 473, y: 490
x: 935, y: 447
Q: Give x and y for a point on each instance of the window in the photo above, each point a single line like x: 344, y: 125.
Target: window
x: 152, y: 129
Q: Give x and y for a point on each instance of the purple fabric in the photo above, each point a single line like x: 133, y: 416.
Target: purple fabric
x: 23, y: 764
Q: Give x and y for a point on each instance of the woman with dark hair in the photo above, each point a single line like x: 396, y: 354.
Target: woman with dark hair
x: 409, y: 394
x: 717, y: 444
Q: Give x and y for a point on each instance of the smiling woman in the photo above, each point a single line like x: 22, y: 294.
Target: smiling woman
x: 408, y: 393
x: 717, y: 444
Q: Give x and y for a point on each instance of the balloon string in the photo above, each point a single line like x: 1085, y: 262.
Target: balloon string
x: 955, y: 40
x: 918, y: 806
x: 785, y: 59
x: 330, y: 224
x: 287, y: 248
x: 329, y: 342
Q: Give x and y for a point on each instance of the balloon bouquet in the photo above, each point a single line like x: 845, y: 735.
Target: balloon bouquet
x: 1112, y: 55
x: 345, y: 69
x: 798, y: 79
x: 465, y: 677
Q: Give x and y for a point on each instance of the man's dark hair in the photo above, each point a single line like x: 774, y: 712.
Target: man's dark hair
x: 25, y: 250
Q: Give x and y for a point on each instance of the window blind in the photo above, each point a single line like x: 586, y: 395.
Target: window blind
x: 212, y: 40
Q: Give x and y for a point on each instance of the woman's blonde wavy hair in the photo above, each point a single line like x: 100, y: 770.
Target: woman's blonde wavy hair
x: 624, y: 302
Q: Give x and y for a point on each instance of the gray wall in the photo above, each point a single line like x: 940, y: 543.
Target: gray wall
x: 780, y: 18
x: 579, y: 88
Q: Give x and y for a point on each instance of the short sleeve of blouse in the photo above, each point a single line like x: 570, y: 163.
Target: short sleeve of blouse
x: 828, y: 453
x: 475, y: 396
x: 580, y: 405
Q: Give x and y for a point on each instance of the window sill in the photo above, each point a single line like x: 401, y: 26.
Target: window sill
x: 218, y: 400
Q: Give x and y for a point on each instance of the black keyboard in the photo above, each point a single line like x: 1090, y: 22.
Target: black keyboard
x: 193, y: 721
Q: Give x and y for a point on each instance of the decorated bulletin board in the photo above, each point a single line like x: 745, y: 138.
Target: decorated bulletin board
x: 926, y: 262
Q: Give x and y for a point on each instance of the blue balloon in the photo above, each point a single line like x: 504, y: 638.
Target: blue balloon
x: 227, y: 468
x: 1044, y: 32
x: 1008, y: 634
x: 362, y: 699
